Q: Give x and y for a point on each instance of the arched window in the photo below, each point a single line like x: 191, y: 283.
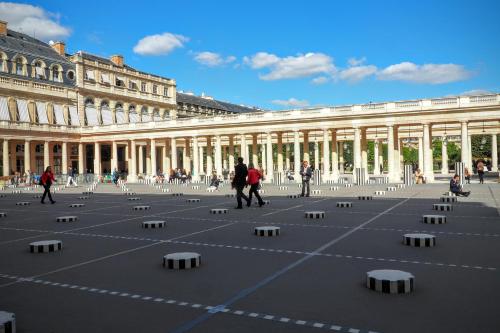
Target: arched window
x: 132, y: 114
x: 89, y: 101
x: 19, y: 66
x: 56, y: 73
x: 90, y: 113
x: 145, y: 114
x: 39, y: 70
x: 104, y: 105
x: 156, y: 115
x: 106, y: 114
x: 3, y: 62
x: 120, y: 114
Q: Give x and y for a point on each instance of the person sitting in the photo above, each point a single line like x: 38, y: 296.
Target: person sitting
x: 467, y: 175
x: 419, y: 177
x: 456, y: 187
x: 214, y: 181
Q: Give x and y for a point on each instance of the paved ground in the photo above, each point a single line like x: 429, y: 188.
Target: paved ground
x: 109, y: 275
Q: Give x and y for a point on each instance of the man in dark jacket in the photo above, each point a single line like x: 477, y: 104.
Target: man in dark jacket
x: 239, y: 182
x: 456, y: 187
x: 306, y: 173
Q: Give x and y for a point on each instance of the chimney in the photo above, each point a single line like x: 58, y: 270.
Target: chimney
x: 60, y: 48
x: 117, y: 60
x: 3, y: 28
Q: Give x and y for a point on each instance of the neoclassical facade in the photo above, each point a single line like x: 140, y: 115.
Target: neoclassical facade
x: 96, y: 114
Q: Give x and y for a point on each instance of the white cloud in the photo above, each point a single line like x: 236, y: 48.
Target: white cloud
x: 357, y: 73
x: 212, y: 59
x: 320, y: 80
x: 428, y: 73
x: 356, y: 62
x: 291, y: 67
x: 293, y: 102
x: 476, y: 92
x: 33, y: 20
x: 160, y: 44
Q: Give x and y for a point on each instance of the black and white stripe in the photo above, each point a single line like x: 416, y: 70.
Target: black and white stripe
x: 182, y: 260
x: 133, y: 199
x: 442, y: 207
x: 45, y: 246
x: 390, y: 281
x: 230, y: 195
x: 23, y: 203
x: 391, y: 188
x: 37, y: 196
x: 193, y: 200
x: 177, y: 194
x: 293, y: 196
x: 76, y: 205
x: 266, y: 202
x: 84, y: 198
x: 195, y: 187
x: 7, y: 322
x: 219, y: 211
x: 348, y: 185
x: 365, y: 197
x: 87, y: 193
x: 66, y: 219
x: 344, y: 204
x: 166, y: 190
x: 17, y: 191
x: 315, y: 192
x: 129, y: 193
x: 283, y: 188
x: 448, y: 199
x: 2, y: 214
x: 141, y: 207
x: 334, y: 188
x: 379, y: 192
x: 315, y: 215
x: 434, y: 219
x: 267, y: 231
x: 419, y: 240
x: 153, y: 224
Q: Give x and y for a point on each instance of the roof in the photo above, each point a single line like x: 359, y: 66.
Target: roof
x: 107, y: 61
x: 17, y: 42
x: 213, y: 104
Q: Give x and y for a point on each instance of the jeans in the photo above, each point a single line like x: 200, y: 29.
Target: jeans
x: 46, y: 192
x: 481, y: 175
x: 239, y: 195
x: 254, y: 190
x: 305, y: 183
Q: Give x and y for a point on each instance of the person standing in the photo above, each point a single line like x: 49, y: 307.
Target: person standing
x: 240, y: 181
x: 115, y: 176
x: 467, y: 175
x: 306, y: 173
x: 71, y: 177
x: 480, y: 171
x: 27, y: 178
x: 253, y: 180
x: 46, y: 181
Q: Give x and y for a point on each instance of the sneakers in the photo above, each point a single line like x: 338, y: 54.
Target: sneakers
x: 52, y: 202
x: 238, y: 207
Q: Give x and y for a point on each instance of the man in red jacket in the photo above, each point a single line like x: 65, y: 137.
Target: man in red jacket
x: 253, y: 178
x: 46, y: 181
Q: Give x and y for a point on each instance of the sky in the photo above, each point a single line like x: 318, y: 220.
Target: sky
x: 286, y: 54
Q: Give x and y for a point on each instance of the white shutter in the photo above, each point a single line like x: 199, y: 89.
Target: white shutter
x: 41, y: 111
x: 73, y: 114
x: 107, y: 116
x: 4, y: 109
x: 105, y: 78
x: 39, y: 71
x: 22, y: 107
x: 146, y: 117
x: 133, y: 117
x: 59, y: 114
x: 156, y: 116
x: 120, y: 117
x: 91, y: 114
x: 90, y: 74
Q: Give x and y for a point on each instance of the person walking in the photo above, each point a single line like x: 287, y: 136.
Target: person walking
x: 46, y: 181
x: 253, y: 180
x: 480, y: 171
x: 115, y: 176
x: 71, y: 177
x: 456, y: 187
x: 240, y: 181
x: 306, y: 173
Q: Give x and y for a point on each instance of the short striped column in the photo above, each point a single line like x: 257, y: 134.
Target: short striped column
x: 153, y: 224
x: 46, y: 246
x: 390, y: 281
x: 442, y: 207
x: 182, y: 260
x: 267, y: 231
x: 219, y: 211
x: 344, y: 204
x: 448, y: 199
x: 315, y: 215
x: 66, y: 219
x: 434, y: 219
x: 141, y: 207
x: 419, y: 240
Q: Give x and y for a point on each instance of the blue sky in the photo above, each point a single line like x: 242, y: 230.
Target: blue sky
x: 283, y: 54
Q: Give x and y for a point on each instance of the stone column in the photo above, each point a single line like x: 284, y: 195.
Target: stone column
x: 494, y: 153
x: 306, y: 146
x: 270, y: 165
x: 335, y: 156
x: 421, y: 153
x: 132, y: 168
x: 357, y: 148
x: 5, y: 158
x: 173, y: 152
x: 243, y: 147
x: 444, y: 156
x: 218, y: 155
x: 64, y: 157
x: 380, y: 156
x: 147, y: 152
x: 469, y: 159
x: 287, y: 156
x: 317, y: 163
x: 81, y: 166
x: 154, y: 167
x: 326, y: 155
x: 263, y: 158
x: 114, y: 156
x: 186, y: 157
x: 210, y: 165
x: 46, y: 156
x: 196, y: 160
x: 279, y: 156
x: 397, y: 155
x: 390, y: 153
x: 428, y: 169
x: 202, y: 159
x: 255, y: 153
x: 27, y: 155
x: 141, y: 159
x: 464, y: 135
x: 341, y: 157
x: 166, y: 158
x: 296, y: 156
x: 376, y: 163
x: 364, y: 152
x: 231, y: 153
x: 224, y: 157
x: 97, y: 158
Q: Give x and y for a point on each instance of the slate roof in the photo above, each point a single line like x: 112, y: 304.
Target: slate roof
x: 213, y: 104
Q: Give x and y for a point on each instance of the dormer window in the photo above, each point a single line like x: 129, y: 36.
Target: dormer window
x: 105, y: 78
x: 39, y: 70
x: 120, y: 81
x: 56, y: 73
x: 89, y: 75
x: 20, y: 66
